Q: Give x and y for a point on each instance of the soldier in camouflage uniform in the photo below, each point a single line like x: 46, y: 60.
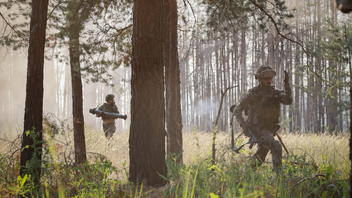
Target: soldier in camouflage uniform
x: 261, y: 104
x: 108, y: 122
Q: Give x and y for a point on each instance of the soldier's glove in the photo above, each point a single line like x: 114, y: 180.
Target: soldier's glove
x: 100, y: 114
x: 287, y: 77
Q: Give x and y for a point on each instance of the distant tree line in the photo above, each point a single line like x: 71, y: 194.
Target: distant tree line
x: 213, y: 58
x: 318, y: 62
x: 314, y: 46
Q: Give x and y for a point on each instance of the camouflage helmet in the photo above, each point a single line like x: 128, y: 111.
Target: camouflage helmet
x: 264, y: 71
x: 109, y: 97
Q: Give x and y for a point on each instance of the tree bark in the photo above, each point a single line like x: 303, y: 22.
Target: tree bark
x: 350, y: 68
x: 147, y: 131
x: 173, y: 98
x: 33, y: 115
x: 77, y: 100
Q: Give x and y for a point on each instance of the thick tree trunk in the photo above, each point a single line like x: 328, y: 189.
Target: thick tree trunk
x: 77, y: 100
x: 33, y: 115
x: 173, y: 98
x: 350, y: 67
x: 147, y: 132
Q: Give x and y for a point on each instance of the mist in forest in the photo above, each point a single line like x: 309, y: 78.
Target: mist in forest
x: 208, y: 65
x: 57, y: 105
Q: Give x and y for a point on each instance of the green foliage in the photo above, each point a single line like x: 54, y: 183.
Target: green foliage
x: 301, y: 176
x: 105, y: 30
x: 104, y: 27
x: 34, y: 165
x: 229, y: 178
x: 92, y: 179
x: 21, y: 189
x: 333, y: 44
x: 59, y: 179
x: 228, y: 15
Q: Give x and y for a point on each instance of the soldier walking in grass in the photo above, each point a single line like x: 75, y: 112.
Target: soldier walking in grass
x: 262, y: 106
x: 108, y: 122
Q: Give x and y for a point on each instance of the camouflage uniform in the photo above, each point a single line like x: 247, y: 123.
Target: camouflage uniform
x: 262, y: 106
x: 108, y: 123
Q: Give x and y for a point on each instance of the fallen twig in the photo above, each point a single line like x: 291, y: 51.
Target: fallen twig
x: 304, y: 179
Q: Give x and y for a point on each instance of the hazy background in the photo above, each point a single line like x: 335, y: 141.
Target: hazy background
x: 57, y: 92
x: 209, y: 64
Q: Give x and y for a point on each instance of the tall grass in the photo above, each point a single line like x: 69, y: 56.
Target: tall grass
x: 317, y: 166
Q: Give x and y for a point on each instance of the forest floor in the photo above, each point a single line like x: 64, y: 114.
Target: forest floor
x: 308, y: 151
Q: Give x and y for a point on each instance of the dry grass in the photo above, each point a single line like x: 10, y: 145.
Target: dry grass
x: 319, y: 149
x: 322, y: 148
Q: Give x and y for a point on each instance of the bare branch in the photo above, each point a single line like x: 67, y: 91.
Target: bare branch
x: 285, y: 37
x: 304, y: 179
x: 57, y: 5
x: 13, y: 29
x: 74, y: 16
x: 121, y: 30
x: 223, y: 93
x: 277, y: 28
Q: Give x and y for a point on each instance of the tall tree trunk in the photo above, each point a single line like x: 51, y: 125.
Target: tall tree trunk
x: 297, y: 80
x: 207, y: 120
x: 67, y: 111
x: 33, y: 116
x: 50, y: 76
x: 173, y: 98
x: 147, y: 132
x: 243, y: 62
x: 350, y: 68
x: 319, y: 71
x: 290, y: 59
x: 196, y: 83
x: 77, y: 100
x: 218, y: 77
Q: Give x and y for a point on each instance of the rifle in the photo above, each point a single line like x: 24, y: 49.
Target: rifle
x: 254, y: 138
x: 109, y: 114
x: 252, y: 133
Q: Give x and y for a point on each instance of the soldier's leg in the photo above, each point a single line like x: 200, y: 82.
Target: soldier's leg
x: 276, y: 150
x: 275, y: 147
x: 259, y: 157
x: 105, y: 128
x: 111, y: 130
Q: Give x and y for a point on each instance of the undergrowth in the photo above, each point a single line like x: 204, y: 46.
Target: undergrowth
x: 300, y: 176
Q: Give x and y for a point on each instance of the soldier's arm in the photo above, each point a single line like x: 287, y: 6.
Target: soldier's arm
x: 239, y: 108
x: 286, y: 95
x: 101, y: 108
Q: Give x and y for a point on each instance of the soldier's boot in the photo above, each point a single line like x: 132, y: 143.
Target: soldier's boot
x: 255, y: 161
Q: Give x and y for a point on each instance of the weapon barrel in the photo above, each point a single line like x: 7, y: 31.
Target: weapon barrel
x: 112, y: 115
x: 254, y: 135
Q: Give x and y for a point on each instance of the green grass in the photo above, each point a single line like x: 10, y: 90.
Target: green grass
x: 318, y: 166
